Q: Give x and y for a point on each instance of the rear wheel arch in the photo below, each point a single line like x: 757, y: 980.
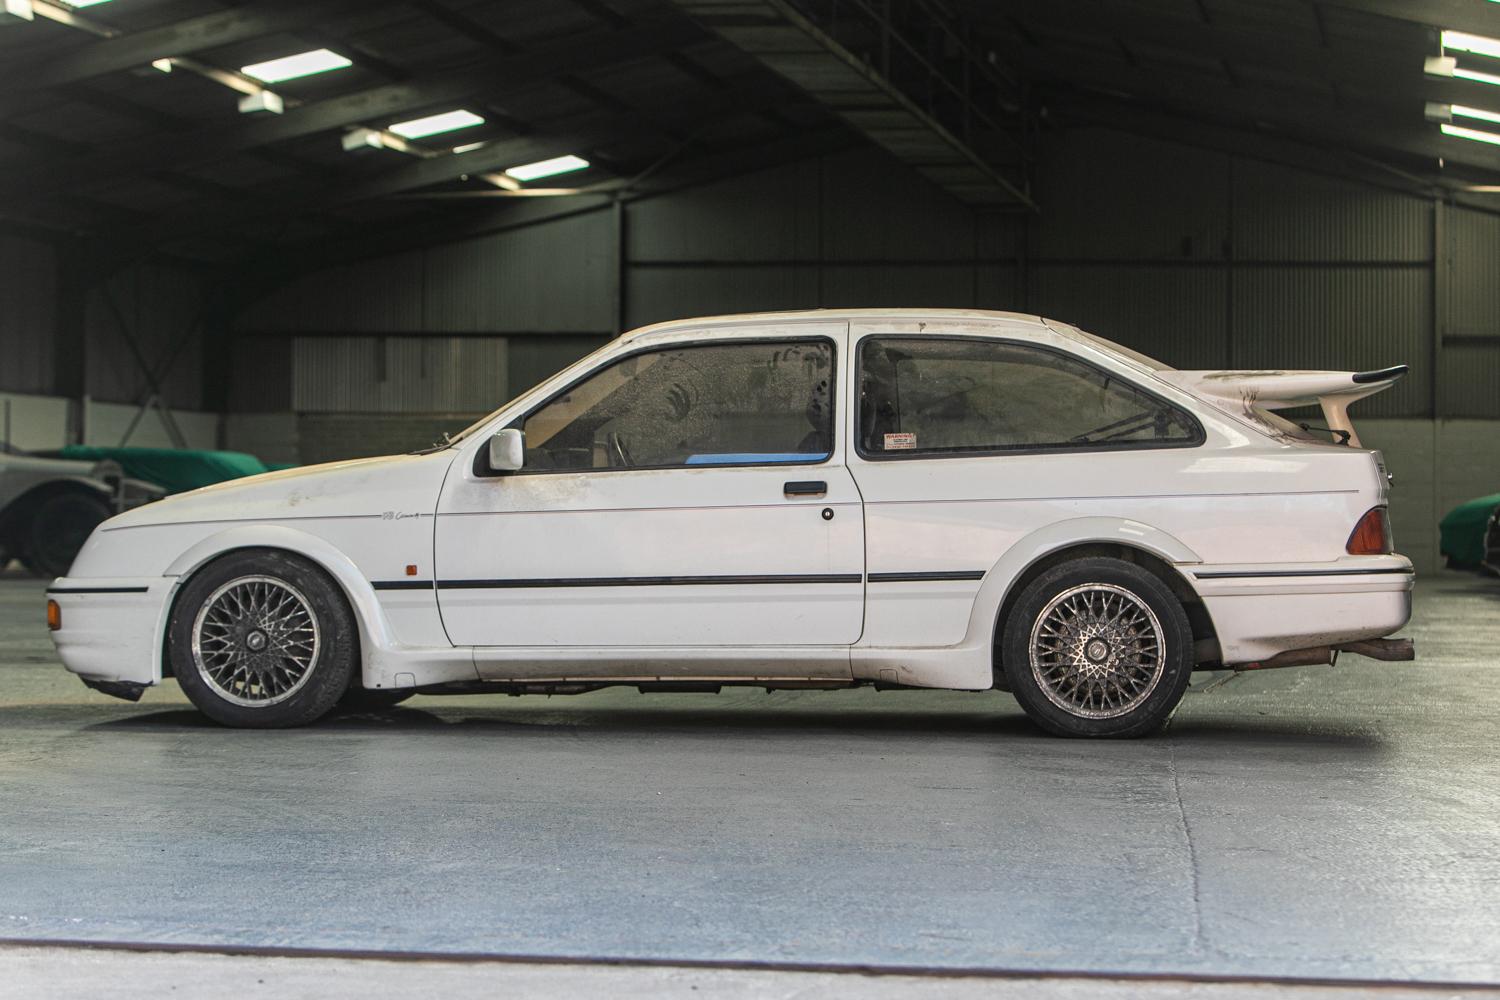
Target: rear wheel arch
x: 1204, y: 634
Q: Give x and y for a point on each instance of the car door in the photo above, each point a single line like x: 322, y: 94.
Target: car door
x: 691, y: 494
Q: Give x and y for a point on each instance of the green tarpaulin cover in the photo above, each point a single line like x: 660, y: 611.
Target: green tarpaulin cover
x: 1461, y: 531
x: 174, y: 469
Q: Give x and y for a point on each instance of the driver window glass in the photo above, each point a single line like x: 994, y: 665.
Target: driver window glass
x: 952, y: 396
x: 729, y: 404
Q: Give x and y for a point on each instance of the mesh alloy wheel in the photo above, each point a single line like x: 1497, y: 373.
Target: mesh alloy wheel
x: 255, y: 641
x: 1097, y: 651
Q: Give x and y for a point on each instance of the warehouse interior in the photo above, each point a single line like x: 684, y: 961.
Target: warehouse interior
x: 354, y: 261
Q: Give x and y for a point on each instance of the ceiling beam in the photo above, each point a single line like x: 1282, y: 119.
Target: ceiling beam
x: 789, y: 43
x: 575, y: 135
x: 1125, y: 116
x: 1389, y: 76
x: 475, y: 219
x: 373, y: 106
x: 1306, y: 117
x: 23, y: 77
x: 1474, y: 16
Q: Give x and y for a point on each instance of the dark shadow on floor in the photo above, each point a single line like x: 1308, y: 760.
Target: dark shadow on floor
x: 1246, y: 733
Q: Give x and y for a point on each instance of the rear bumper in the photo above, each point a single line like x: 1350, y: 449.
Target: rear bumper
x: 1260, y: 611
x: 112, y: 629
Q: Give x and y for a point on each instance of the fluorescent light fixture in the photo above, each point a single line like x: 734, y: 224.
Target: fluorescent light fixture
x: 16, y: 10
x: 265, y: 102
x: 1462, y: 41
x: 1478, y: 77
x: 291, y: 67
x: 469, y: 147
x: 448, y: 121
x: 547, y: 168
x: 359, y: 139
x: 164, y: 65
x: 1479, y: 114
x: 84, y: 3
x: 1459, y: 132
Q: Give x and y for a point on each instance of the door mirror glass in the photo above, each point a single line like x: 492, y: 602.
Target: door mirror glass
x: 507, y: 450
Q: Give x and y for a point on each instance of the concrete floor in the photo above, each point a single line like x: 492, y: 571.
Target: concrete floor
x: 1339, y: 823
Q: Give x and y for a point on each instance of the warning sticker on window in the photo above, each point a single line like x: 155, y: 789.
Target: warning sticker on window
x: 901, y: 441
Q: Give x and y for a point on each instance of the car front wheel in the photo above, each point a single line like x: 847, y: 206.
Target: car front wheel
x: 1098, y: 647
x: 263, y: 639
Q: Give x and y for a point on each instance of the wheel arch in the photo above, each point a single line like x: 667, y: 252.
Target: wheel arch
x: 16, y: 513
x: 374, y: 631
x: 1151, y: 548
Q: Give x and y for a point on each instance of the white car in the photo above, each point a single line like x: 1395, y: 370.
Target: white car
x: 904, y: 498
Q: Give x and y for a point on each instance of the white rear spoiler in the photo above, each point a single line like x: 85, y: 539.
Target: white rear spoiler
x: 1239, y: 392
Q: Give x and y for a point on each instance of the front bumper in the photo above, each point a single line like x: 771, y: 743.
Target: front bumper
x: 1261, y: 611
x: 112, y: 629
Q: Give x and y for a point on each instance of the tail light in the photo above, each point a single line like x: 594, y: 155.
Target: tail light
x: 1372, y: 535
x: 54, y: 616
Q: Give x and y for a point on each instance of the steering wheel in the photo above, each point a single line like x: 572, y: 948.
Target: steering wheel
x: 619, y: 454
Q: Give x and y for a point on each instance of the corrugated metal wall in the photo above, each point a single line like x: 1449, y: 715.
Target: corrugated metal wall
x: 398, y: 374
x: 28, y: 302
x: 1203, y: 260
x: 157, y: 304
x: 158, y: 307
x: 1470, y: 354
x: 553, y: 278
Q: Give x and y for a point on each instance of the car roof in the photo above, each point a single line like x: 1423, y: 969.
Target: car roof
x: 728, y: 323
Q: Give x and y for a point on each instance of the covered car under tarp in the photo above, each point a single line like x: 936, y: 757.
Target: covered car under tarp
x: 174, y: 469
x: 1461, y: 531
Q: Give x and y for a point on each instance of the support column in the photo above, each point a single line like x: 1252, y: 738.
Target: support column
x: 75, y: 278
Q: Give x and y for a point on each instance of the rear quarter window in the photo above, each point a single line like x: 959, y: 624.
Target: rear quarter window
x: 936, y: 396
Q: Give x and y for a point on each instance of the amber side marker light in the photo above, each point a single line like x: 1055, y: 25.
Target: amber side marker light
x: 1372, y: 535
x: 54, y: 616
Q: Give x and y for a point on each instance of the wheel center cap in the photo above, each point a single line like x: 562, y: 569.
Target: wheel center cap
x: 256, y: 641
x: 1097, y: 650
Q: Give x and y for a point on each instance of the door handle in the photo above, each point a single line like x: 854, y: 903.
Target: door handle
x: 807, y: 488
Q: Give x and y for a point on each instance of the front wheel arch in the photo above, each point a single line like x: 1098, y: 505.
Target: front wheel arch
x: 374, y: 631
x: 258, y: 556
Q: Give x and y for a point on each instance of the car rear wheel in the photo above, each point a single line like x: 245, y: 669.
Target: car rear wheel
x: 58, y: 527
x: 1098, y: 647
x: 264, y: 640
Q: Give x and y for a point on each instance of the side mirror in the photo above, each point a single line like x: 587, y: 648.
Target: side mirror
x: 507, y: 450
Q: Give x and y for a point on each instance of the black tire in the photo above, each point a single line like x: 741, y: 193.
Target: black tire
x: 1104, y: 679
x: 294, y: 672
x: 363, y: 699
x: 57, y: 529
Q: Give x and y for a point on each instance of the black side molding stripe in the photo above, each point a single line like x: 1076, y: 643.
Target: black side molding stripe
x: 650, y: 581
x: 1300, y: 572
x: 680, y: 581
x: 97, y: 590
